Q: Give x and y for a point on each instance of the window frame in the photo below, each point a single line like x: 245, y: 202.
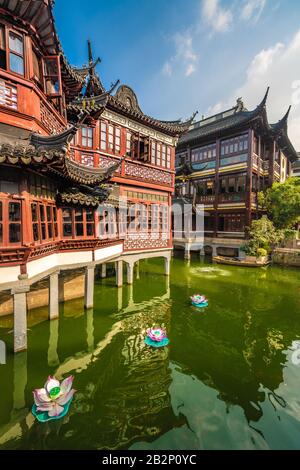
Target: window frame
x: 85, y: 222
x: 242, y: 142
x: 45, y: 76
x: 39, y: 57
x: 111, y: 138
x: 89, y: 139
x: 6, y: 222
x: 7, y: 31
x: 39, y: 223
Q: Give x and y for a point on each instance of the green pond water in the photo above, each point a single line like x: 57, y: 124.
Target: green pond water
x: 227, y: 380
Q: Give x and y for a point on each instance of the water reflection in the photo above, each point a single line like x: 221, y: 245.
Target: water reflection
x: 226, y: 380
x: 53, y: 359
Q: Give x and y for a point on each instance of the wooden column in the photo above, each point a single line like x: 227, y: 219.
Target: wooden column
x: 271, y: 162
x: 249, y: 177
x: 217, y: 187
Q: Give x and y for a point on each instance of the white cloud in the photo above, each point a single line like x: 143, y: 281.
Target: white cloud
x: 167, y: 69
x: 279, y: 68
x: 190, y: 70
x: 252, y: 10
x: 185, y: 59
x: 217, y: 17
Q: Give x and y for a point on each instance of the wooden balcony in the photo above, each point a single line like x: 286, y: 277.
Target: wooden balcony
x: 254, y: 198
x: 277, y: 168
x: 232, y: 197
x: 265, y: 165
x: 22, y: 255
x: 205, y: 199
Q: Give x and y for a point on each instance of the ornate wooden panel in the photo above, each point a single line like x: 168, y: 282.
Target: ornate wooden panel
x: 146, y: 241
x: 8, y: 95
x: 49, y: 120
x: 147, y: 173
x: 87, y: 159
x: 105, y: 162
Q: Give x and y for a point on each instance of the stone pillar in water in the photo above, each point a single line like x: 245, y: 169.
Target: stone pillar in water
x: 89, y: 286
x: 130, y: 268
x: 20, y: 317
x: 119, y: 272
x: 167, y: 266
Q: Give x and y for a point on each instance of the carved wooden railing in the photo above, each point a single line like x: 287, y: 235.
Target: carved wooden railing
x: 277, y: 168
x: 232, y: 197
x: 266, y: 165
x: 22, y: 255
x: 205, y: 199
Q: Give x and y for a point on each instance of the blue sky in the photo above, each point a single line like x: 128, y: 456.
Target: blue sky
x: 186, y: 55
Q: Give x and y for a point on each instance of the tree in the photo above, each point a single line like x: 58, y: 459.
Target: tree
x: 262, y: 235
x: 282, y: 203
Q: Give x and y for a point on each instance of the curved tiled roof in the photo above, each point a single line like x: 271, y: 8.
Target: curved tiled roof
x: 236, y: 118
x: 223, y: 122
x: 50, y: 153
x: 78, y: 198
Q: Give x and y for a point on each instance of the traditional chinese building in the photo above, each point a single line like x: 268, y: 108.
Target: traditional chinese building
x: 69, y: 151
x: 223, y: 162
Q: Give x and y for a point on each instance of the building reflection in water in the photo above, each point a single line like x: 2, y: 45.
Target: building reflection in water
x: 123, y: 384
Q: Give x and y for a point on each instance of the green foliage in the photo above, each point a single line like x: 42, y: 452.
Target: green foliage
x: 282, y: 203
x: 263, y: 237
x: 250, y: 249
x: 262, y: 252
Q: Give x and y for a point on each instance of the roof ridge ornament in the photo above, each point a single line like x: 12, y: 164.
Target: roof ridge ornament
x: 281, y: 125
x: 240, y: 105
x: 264, y: 101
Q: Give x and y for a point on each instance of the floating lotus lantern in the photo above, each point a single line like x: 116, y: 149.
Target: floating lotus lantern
x: 156, y: 337
x: 199, y: 301
x: 54, y: 400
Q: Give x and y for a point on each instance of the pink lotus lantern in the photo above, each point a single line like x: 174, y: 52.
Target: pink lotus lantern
x: 156, y: 337
x: 54, y: 400
x: 199, y: 301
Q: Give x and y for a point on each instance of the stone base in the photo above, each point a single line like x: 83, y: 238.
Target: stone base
x: 71, y: 286
x: 287, y: 257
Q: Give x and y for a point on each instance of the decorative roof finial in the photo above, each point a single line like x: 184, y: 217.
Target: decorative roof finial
x: 264, y: 101
x: 239, y: 105
x: 282, y: 123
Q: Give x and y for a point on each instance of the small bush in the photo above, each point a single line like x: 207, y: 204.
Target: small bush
x: 262, y: 252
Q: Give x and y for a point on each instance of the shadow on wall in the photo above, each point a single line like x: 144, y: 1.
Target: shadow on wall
x: 71, y: 286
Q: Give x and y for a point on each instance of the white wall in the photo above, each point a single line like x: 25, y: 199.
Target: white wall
x: 39, y: 266
x: 9, y: 274
x: 108, y: 252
